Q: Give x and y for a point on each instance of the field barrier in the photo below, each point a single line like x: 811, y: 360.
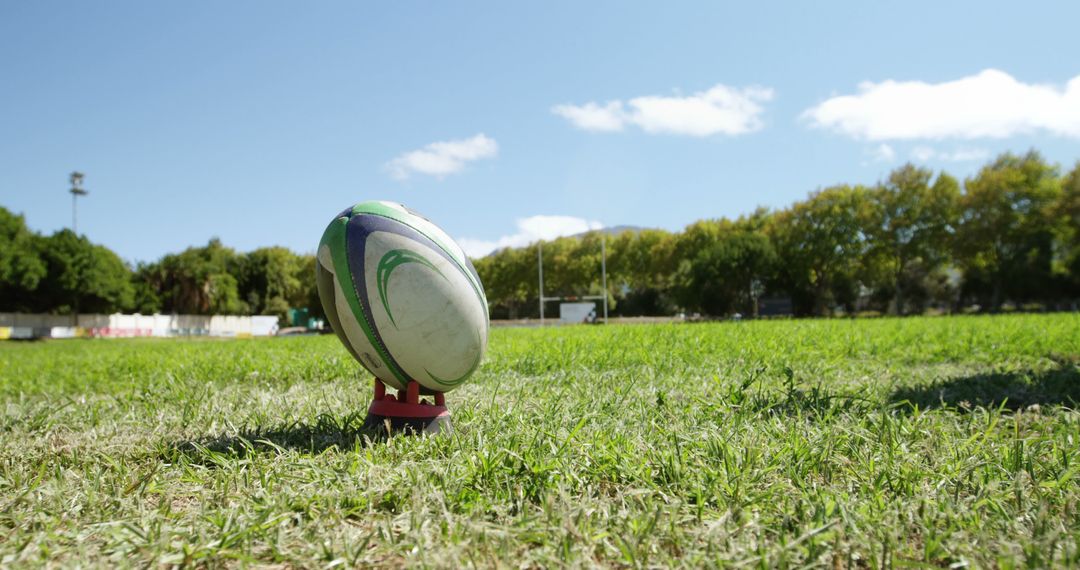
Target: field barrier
x: 31, y: 326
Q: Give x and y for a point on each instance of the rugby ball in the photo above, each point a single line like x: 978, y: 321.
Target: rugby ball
x: 402, y: 296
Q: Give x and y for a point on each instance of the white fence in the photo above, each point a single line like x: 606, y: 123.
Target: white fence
x: 22, y: 325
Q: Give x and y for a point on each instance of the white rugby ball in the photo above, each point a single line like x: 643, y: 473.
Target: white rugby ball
x: 402, y: 296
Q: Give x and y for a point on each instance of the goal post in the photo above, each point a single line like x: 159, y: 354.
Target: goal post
x: 603, y: 280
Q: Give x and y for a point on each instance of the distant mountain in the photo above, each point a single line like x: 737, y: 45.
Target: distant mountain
x: 614, y: 230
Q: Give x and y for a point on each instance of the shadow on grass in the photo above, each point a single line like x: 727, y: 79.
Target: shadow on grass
x: 327, y: 432
x: 1011, y: 390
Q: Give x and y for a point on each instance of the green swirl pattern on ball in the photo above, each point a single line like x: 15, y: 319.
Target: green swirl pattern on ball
x: 392, y: 260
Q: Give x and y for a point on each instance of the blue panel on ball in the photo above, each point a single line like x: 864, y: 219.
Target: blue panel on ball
x: 361, y: 226
x: 472, y: 270
x: 356, y: 234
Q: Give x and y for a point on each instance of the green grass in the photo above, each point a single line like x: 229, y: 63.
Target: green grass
x: 872, y: 443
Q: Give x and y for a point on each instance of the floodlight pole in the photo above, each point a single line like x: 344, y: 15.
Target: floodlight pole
x: 76, y: 191
x: 540, y: 266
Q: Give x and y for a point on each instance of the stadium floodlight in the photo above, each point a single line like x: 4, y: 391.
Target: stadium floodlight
x: 76, y: 191
x: 603, y: 279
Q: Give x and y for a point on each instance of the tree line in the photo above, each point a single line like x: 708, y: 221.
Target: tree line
x: 1007, y: 236
x: 65, y: 273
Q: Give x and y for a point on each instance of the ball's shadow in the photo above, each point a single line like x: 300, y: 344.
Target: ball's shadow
x: 1011, y: 390
x: 326, y: 432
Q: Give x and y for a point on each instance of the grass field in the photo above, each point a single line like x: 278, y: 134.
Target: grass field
x: 871, y: 443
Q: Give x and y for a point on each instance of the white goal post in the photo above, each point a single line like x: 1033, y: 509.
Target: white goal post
x: 603, y: 279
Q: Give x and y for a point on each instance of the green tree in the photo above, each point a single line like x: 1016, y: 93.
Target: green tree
x: 640, y: 267
x: 271, y: 280
x: 641, y: 259
x: 823, y: 244
x: 199, y: 280
x: 1005, y: 238
x: 1067, y: 211
x: 912, y: 228
x: 510, y: 281
x: 307, y: 294
x: 724, y: 271
x: 21, y: 266
x: 223, y: 296
x: 145, y: 298
x: 83, y: 277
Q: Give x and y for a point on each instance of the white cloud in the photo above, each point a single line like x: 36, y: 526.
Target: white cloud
x: 926, y: 154
x: 883, y: 153
x: 594, y: 117
x: 720, y: 110
x: 530, y: 230
x: 991, y: 104
x: 442, y: 158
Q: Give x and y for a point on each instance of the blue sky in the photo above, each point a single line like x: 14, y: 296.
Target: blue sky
x: 256, y: 122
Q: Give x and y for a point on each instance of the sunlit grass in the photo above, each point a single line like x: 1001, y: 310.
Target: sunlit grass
x: 862, y: 443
